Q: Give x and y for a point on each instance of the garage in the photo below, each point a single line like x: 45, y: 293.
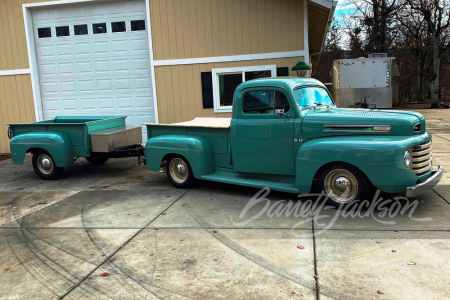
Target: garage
x: 94, y: 59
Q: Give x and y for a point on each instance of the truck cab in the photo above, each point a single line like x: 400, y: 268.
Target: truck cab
x: 287, y: 134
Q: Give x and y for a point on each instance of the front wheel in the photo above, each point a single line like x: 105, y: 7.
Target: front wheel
x: 343, y: 185
x: 179, y: 172
x: 45, y: 167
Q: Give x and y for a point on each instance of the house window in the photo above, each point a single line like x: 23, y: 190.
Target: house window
x: 44, y: 32
x: 62, y: 31
x: 80, y: 29
x: 99, y: 28
x: 225, y: 81
x: 118, y: 26
x: 137, y: 25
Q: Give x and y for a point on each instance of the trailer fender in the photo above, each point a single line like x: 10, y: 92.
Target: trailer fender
x: 57, y: 144
x: 196, y: 149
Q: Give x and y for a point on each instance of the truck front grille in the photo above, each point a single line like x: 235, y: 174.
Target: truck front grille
x: 420, y: 158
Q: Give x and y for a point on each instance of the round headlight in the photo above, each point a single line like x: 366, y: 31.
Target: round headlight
x: 407, y: 158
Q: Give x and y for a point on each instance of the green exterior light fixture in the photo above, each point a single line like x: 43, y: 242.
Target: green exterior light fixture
x: 301, y: 67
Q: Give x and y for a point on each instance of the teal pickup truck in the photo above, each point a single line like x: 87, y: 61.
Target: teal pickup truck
x: 287, y: 134
x: 56, y: 143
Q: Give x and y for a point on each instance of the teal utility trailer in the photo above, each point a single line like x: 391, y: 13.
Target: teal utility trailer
x: 56, y: 143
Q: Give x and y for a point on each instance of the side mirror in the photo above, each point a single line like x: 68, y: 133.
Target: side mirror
x: 280, y: 112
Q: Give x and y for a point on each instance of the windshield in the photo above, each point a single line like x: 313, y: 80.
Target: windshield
x: 312, y: 96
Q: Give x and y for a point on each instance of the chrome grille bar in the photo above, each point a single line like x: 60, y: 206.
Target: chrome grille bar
x: 421, y: 157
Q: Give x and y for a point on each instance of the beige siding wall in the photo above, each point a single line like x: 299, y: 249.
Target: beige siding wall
x: 179, y: 88
x: 206, y: 28
x: 16, y: 98
x: 16, y: 101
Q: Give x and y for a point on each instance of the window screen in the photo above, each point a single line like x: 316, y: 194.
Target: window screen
x: 257, y: 74
x: 227, y: 85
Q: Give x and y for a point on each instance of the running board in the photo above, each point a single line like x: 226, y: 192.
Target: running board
x: 231, y: 177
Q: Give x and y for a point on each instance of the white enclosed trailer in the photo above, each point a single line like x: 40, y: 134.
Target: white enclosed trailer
x: 364, y: 80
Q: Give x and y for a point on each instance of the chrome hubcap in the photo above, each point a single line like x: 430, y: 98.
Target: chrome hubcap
x: 341, y: 186
x: 178, y: 170
x: 45, y: 164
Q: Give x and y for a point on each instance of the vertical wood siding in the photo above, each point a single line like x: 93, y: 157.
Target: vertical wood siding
x: 179, y: 88
x: 16, y: 96
x: 16, y: 105
x: 207, y: 28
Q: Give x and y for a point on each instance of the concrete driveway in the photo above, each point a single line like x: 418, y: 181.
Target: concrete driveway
x: 121, y: 232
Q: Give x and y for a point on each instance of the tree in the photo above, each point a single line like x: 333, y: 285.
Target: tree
x: 436, y: 15
x: 375, y: 19
x: 415, y: 38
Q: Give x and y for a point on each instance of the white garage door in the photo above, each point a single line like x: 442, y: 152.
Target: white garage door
x: 94, y: 60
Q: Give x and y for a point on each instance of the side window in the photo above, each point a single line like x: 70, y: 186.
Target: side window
x: 264, y: 102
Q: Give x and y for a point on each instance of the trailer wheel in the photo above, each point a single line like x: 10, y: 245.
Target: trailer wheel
x: 343, y: 185
x: 44, y: 165
x: 97, y: 161
x: 179, y: 172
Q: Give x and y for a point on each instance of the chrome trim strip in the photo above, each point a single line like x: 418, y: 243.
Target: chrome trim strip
x: 354, y: 126
x: 413, y: 191
x: 357, y: 131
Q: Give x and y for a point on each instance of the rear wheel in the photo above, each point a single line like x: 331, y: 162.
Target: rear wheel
x: 97, y: 161
x: 343, y: 184
x: 179, y: 172
x: 44, y: 165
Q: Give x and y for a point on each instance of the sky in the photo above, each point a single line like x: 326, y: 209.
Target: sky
x: 343, y: 11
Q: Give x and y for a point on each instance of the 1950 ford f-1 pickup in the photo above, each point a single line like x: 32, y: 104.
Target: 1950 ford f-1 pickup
x: 286, y: 134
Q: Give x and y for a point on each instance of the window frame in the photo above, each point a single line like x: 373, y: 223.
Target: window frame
x: 235, y: 70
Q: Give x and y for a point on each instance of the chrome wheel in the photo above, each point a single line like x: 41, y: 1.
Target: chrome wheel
x: 178, y: 170
x: 341, y: 186
x: 45, y: 164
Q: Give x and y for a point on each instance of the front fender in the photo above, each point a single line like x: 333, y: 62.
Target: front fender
x: 196, y: 149
x: 359, y: 151
x: 57, y: 144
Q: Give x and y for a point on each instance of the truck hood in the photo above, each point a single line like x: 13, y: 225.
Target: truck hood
x: 320, y: 122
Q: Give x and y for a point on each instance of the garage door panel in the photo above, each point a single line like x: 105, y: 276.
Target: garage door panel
x: 95, y: 74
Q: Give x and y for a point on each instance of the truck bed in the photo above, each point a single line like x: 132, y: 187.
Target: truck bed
x: 104, y: 132
x: 216, y: 130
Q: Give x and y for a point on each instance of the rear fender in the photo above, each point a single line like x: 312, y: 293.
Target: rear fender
x: 196, y: 149
x: 57, y: 144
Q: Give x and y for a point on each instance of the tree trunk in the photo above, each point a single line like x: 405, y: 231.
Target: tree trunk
x: 436, y: 64
x: 420, y: 80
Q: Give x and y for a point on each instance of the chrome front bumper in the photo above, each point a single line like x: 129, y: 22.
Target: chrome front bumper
x: 413, y: 191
